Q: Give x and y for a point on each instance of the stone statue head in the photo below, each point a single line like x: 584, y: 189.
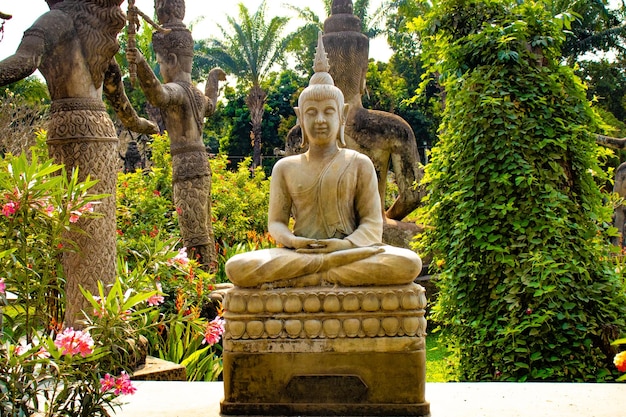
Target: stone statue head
x: 169, y: 11
x: 53, y: 2
x: 97, y: 24
x: 175, y: 46
x: 322, y: 87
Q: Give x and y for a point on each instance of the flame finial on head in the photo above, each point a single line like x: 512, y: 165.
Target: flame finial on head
x: 321, y: 57
x: 321, y: 87
x: 321, y: 66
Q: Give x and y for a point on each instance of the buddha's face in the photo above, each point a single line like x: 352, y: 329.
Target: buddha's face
x: 321, y: 120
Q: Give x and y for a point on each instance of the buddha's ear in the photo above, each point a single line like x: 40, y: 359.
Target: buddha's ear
x: 342, y: 128
x: 304, y: 141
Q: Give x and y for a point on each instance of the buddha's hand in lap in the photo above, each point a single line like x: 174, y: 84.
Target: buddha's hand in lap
x: 325, y: 246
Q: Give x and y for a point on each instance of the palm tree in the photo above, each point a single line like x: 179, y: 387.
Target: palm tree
x: 249, y: 49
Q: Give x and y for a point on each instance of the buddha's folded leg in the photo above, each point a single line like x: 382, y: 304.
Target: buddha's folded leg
x: 252, y: 269
x: 393, y: 266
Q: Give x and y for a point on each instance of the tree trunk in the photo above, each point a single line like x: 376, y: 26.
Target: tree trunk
x: 256, y: 101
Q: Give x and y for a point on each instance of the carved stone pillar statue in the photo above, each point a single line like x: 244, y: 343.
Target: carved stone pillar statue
x: 73, y: 46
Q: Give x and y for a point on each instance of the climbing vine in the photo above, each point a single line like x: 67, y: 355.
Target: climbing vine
x: 519, y: 229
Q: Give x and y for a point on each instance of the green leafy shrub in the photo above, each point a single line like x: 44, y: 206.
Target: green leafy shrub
x: 40, y: 202
x: 240, y: 202
x: 519, y: 229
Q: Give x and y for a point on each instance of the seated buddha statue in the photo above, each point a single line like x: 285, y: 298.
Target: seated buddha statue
x: 331, y: 193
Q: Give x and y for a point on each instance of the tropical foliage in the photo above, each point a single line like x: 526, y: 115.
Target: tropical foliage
x: 519, y: 229
x: 249, y: 49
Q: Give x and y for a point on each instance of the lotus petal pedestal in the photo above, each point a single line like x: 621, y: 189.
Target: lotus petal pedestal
x: 356, y: 351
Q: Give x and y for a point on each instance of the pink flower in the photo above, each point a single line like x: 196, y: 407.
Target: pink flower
x: 8, y: 209
x: 3, y: 286
x: 22, y: 348
x: 180, y: 258
x: 75, y: 214
x: 87, y: 208
x: 107, y: 383
x: 155, y: 300
x: 214, y: 330
x: 42, y: 353
x: 72, y: 342
x: 101, y: 311
x: 50, y: 210
x: 120, y: 385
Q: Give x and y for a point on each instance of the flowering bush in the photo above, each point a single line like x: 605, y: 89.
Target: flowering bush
x: 145, y: 211
x: 57, y: 377
x: 40, y: 202
x: 44, y: 368
x: 620, y: 359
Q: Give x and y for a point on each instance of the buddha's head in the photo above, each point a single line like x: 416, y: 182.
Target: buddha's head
x: 322, y: 87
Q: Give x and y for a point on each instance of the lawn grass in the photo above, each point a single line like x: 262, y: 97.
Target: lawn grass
x: 437, y: 365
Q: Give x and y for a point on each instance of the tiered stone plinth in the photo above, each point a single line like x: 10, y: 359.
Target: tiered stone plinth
x: 356, y: 351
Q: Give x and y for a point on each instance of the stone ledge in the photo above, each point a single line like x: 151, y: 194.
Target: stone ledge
x: 486, y: 399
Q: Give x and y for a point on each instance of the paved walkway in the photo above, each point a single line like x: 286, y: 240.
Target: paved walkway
x: 185, y: 399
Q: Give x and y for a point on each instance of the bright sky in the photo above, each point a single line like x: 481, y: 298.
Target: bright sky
x: 212, y: 12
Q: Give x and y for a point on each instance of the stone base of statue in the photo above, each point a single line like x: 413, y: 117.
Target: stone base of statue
x: 357, y: 351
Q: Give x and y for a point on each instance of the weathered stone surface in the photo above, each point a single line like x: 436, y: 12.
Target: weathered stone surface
x: 156, y: 369
x: 325, y: 351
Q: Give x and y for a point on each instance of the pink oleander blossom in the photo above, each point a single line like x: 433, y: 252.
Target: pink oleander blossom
x: 180, y: 258
x: 120, y: 385
x: 42, y: 353
x: 156, y: 300
x: 3, y: 286
x: 107, y: 383
x: 75, y: 214
x: 22, y: 348
x: 72, y: 342
x: 49, y: 210
x: 213, y: 331
x: 9, y: 209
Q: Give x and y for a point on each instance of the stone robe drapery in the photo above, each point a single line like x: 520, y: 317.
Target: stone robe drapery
x: 342, y: 203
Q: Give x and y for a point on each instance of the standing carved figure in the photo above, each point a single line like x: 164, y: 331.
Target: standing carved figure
x: 73, y: 46
x: 619, y: 187
x: 183, y: 108
x: 387, y: 139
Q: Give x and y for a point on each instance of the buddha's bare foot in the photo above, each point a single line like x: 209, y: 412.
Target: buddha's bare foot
x: 348, y: 256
